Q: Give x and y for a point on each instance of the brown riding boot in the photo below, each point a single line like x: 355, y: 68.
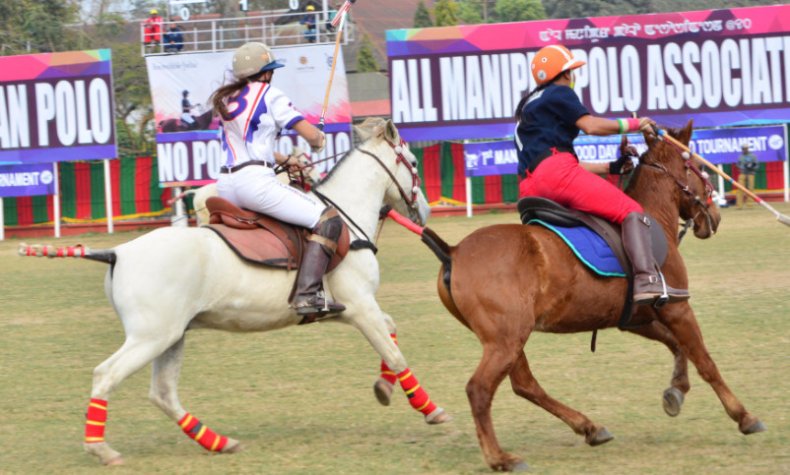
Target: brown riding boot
x: 309, y: 298
x: 649, y: 284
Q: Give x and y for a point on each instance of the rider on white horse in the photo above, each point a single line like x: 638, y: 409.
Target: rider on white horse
x: 253, y: 113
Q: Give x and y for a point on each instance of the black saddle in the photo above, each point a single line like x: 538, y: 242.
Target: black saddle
x: 554, y: 213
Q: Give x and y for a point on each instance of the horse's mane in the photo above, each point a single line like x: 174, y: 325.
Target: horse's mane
x: 370, y: 128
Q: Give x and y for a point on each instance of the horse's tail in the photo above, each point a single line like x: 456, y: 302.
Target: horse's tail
x: 41, y: 250
x: 437, y: 245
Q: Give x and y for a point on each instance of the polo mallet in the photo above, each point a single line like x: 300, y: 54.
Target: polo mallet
x: 338, y: 22
x: 779, y: 216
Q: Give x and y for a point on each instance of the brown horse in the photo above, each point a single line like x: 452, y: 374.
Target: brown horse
x: 549, y: 290
x: 202, y: 122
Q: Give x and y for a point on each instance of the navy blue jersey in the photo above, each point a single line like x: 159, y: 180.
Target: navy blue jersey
x: 547, y: 120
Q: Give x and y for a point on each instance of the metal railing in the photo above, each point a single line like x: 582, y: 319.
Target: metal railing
x: 221, y: 34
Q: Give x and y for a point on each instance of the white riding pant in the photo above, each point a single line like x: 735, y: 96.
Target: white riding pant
x: 256, y: 188
x: 187, y: 118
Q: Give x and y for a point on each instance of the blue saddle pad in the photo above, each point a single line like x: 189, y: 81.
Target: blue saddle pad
x: 589, y: 247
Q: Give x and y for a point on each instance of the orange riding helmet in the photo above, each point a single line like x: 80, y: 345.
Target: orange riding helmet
x: 551, y: 61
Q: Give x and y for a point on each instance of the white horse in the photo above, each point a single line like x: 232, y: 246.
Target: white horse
x: 157, y: 303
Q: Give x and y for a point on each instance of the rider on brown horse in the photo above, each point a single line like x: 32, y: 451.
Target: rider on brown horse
x: 549, y: 119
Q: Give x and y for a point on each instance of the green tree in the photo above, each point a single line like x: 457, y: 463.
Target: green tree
x: 35, y: 25
x: 469, y: 12
x: 422, y: 17
x: 519, y: 10
x: 366, y: 61
x: 446, y: 13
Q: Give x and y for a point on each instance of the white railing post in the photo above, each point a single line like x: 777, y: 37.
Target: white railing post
x: 213, y: 35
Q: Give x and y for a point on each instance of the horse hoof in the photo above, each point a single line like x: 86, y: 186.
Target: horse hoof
x: 233, y: 446
x: 600, y: 437
x: 754, y: 427
x: 520, y: 467
x: 673, y: 400
x: 438, y: 416
x: 116, y: 461
x: 383, y: 391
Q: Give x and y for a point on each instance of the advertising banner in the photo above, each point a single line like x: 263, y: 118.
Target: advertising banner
x: 718, y: 146
x: 188, y: 145
x: 719, y: 67
x: 27, y: 180
x: 56, y: 106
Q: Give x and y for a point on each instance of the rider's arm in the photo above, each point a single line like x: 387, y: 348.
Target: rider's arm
x: 599, y: 168
x: 309, y: 132
x: 592, y: 125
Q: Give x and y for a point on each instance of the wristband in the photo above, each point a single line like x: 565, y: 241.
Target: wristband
x: 623, y: 125
x: 633, y: 124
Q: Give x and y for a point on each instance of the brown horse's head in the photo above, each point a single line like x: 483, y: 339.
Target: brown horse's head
x: 694, y: 190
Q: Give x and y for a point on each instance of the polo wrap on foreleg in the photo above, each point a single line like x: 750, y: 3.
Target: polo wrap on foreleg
x: 386, y: 373
x: 418, y: 398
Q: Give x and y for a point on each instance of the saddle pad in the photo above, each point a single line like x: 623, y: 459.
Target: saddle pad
x: 257, y: 246
x: 589, y: 247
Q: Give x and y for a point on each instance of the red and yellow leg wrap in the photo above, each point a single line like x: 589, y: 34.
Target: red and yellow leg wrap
x: 95, y: 419
x: 418, y: 398
x: 386, y: 373
x: 204, y: 436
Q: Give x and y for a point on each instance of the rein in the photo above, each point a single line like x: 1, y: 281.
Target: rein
x: 702, y: 206
x: 410, y: 202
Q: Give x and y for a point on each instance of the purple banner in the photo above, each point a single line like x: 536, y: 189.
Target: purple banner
x: 56, y: 106
x: 27, y: 180
x: 720, y: 67
x: 194, y: 158
x: 490, y: 158
x: 718, y: 146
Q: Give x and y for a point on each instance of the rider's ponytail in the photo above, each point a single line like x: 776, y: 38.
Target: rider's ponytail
x: 525, y: 99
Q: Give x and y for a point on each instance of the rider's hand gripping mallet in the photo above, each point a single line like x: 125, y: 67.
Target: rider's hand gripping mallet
x: 779, y: 216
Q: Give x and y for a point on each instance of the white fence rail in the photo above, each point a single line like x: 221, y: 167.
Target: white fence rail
x: 220, y: 34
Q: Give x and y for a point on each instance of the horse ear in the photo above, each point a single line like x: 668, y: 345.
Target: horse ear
x: 391, y: 132
x: 685, y: 133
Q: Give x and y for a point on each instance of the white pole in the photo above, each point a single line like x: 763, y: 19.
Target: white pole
x: 2, y: 221
x: 468, y: 197
x: 180, y: 219
x: 787, y: 168
x: 56, y: 200
x: 108, y: 195
x: 721, y: 182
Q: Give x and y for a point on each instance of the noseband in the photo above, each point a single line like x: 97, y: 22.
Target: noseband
x: 703, y: 206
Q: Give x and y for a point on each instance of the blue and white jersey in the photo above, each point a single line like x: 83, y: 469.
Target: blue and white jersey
x: 256, y: 115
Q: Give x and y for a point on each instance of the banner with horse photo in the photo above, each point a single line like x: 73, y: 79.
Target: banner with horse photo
x: 56, y: 107
x: 188, y: 145
x: 719, y: 67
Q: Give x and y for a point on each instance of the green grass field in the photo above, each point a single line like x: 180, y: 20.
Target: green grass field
x: 300, y: 400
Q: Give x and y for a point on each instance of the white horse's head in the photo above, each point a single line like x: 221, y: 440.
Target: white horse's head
x: 404, y: 195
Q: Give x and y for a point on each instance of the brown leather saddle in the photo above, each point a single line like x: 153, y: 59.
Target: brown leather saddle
x: 554, y: 213
x: 264, y: 240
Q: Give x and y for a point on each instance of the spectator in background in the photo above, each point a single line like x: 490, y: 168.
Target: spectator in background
x: 308, y: 20
x: 152, y: 28
x: 174, y: 39
x: 747, y: 166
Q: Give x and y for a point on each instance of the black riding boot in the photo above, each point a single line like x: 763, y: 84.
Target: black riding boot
x: 649, y: 284
x: 309, y: 298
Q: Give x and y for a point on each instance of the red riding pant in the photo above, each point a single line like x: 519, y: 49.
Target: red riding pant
x: 561, y: 178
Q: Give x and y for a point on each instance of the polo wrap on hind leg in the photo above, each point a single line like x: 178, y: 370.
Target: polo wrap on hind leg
x: 201, y: 434
x: 309, y: 299
x: 95, y: 421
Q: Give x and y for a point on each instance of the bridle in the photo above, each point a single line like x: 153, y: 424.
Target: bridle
x: 410, y: 200
x: 702, y: 205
